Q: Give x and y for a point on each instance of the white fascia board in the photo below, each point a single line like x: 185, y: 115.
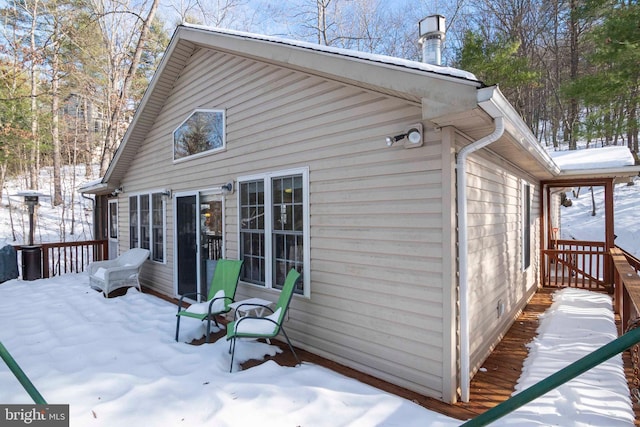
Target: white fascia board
x: 93, y: 188
x: 341, y: 65
x: 619, y: 172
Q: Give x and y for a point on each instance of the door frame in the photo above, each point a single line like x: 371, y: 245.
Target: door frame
x: 197, y: 193
x: 112, y: 242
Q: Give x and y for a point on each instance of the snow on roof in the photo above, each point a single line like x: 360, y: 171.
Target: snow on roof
x: 345, y: 52
x: 91, y: 183
x: 593, y: 158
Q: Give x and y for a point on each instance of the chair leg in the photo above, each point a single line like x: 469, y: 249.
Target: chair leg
x: 232, y: 350
x: 177, y: 327
x: 290, y: 346
x: 208, y: 329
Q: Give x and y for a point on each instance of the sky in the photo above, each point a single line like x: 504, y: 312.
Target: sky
x: 115, y: 361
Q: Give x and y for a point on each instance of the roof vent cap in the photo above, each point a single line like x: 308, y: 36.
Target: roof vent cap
x: 432, y: 33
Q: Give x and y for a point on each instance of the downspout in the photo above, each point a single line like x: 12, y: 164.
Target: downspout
x: 463, y: 249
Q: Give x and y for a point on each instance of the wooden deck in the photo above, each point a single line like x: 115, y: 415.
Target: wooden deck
x: 489, y: 387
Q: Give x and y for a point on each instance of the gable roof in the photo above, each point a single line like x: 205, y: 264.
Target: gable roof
x: 394, y: 76
x: 454, y: 97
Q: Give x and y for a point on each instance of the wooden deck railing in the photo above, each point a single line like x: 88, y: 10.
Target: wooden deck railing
x: 626, y: 285
x: 632, y: 260
x: 68, y: 257
x: 574, y: 263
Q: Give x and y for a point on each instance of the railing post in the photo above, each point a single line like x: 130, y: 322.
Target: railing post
x: 617, y: 292
x: 45, y: 261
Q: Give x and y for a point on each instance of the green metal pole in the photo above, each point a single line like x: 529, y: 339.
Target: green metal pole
x: 21, y: 376
x: 566, y: 374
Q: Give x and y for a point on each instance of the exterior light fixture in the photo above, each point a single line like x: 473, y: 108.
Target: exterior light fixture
x: 393, y: 139
x: 413, y: 136
x: 117, y: 191
x: 227, y: 188
x: 166, y: 193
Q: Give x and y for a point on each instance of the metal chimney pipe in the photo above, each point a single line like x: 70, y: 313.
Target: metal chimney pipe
x: 432, y: 33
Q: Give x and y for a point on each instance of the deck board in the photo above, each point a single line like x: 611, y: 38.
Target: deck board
x: 492, y: 385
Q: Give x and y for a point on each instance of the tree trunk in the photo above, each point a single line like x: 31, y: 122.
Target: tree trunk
x: 34, y: 156
x: 55, y: 121
x: 573, y: 102
x: 111, y: 134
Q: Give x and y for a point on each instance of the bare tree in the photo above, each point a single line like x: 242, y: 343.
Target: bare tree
x: 121, y: 36
x: 217, y: 13
x: 33, y: 72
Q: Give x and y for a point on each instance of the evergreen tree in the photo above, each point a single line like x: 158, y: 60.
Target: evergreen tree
x: 611, y: 91
x: 497, y: 62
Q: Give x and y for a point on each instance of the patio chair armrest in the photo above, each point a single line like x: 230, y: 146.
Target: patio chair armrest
x: 219, y: 298
x: 95, y: 265
x: 190, y: 294
x: 120, y: 272
x: 237, y: 323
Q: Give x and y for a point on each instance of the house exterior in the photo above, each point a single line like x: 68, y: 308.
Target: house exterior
x: 415, y: 256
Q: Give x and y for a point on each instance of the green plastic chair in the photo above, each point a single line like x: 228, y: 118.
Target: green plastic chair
x: 222, y: 293
x: 264, y: 327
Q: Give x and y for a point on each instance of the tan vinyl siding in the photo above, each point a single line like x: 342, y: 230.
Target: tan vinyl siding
x: 495, y: 213
x: 376, y: 220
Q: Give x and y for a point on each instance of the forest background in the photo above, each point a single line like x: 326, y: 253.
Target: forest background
x: 72, y: 72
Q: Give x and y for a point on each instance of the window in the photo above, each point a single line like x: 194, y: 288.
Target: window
x: 202, y: 132
x: 144, y: 221
x: 147, y: 225
x: 157, y: 225
x: 526, y: 226
x: 274, y: 228
x: 133, y: 222
x: 113, y: 220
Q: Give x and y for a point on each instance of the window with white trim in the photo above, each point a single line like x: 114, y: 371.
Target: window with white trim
x: 274, y: 228
x: 147, y: 226
x: 202, y: 132
x: 526, y: 225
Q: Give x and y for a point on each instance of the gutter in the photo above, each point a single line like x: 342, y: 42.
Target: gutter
x: 613, y: 172
x: 461, y: 179
x: 493, y: 102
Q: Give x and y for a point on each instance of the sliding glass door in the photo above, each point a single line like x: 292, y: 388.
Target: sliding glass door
x: 199, y: 240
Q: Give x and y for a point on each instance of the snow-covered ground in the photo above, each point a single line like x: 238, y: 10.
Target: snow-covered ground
x: 115, y: 362
x: 66, y: 223
x: 577, y: 323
